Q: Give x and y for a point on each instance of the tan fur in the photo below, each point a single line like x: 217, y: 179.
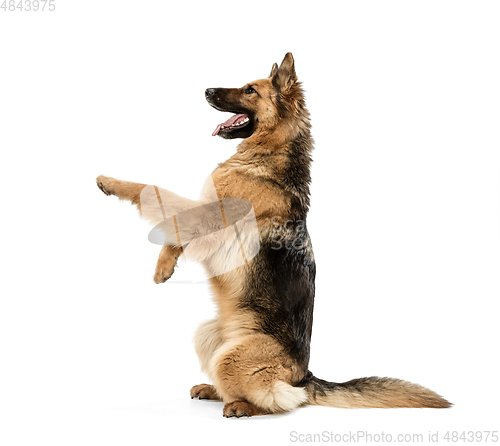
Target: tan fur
x: 204, y: 392
x: 242, y: 409
x: 251, y: 366
x: 124, y: 190
x: 250, y: 370
x: 166, y: 262
x: 242, y: 363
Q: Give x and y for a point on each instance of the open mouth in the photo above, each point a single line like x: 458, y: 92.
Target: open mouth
x: 237, y: 121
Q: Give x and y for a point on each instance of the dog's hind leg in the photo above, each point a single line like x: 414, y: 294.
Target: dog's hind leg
x: 166, y: 262
x: 204, y: 392
x: 254, y: 376
x: 242, y: 409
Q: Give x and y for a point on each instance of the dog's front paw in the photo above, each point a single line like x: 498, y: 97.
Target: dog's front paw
x: 164, y: 271
x: 166, y: 264
x: 105, y: 184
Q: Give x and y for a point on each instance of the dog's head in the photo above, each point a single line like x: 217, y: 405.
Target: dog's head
x: 259, y: 106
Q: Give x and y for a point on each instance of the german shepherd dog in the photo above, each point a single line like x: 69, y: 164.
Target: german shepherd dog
x: 256, y: 351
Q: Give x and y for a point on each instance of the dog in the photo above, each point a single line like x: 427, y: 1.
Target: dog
x: 256, y: 351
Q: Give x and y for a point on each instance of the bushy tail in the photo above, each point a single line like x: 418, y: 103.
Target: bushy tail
x: 371, y: 392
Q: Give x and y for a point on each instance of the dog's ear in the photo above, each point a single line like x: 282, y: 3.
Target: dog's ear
x: 285, y: 75
x: 274, y: 70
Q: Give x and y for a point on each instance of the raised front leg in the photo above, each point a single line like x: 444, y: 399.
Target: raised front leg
x: 124, y: 190
x: 156, y: 204
x: 222, y: 230
x: 166, y: 262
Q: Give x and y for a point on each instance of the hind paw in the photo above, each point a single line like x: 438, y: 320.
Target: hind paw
x: 242, y: 409
x: 204, y: 392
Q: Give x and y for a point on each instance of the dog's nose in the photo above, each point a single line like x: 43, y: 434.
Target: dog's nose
x: 209, y: 92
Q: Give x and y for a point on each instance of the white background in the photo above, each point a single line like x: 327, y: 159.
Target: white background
x: 405, y: 217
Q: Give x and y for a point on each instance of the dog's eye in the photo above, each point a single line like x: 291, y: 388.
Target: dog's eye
x: 249, y: 90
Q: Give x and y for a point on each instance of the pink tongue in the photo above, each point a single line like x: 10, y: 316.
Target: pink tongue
x: 229, y: 122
